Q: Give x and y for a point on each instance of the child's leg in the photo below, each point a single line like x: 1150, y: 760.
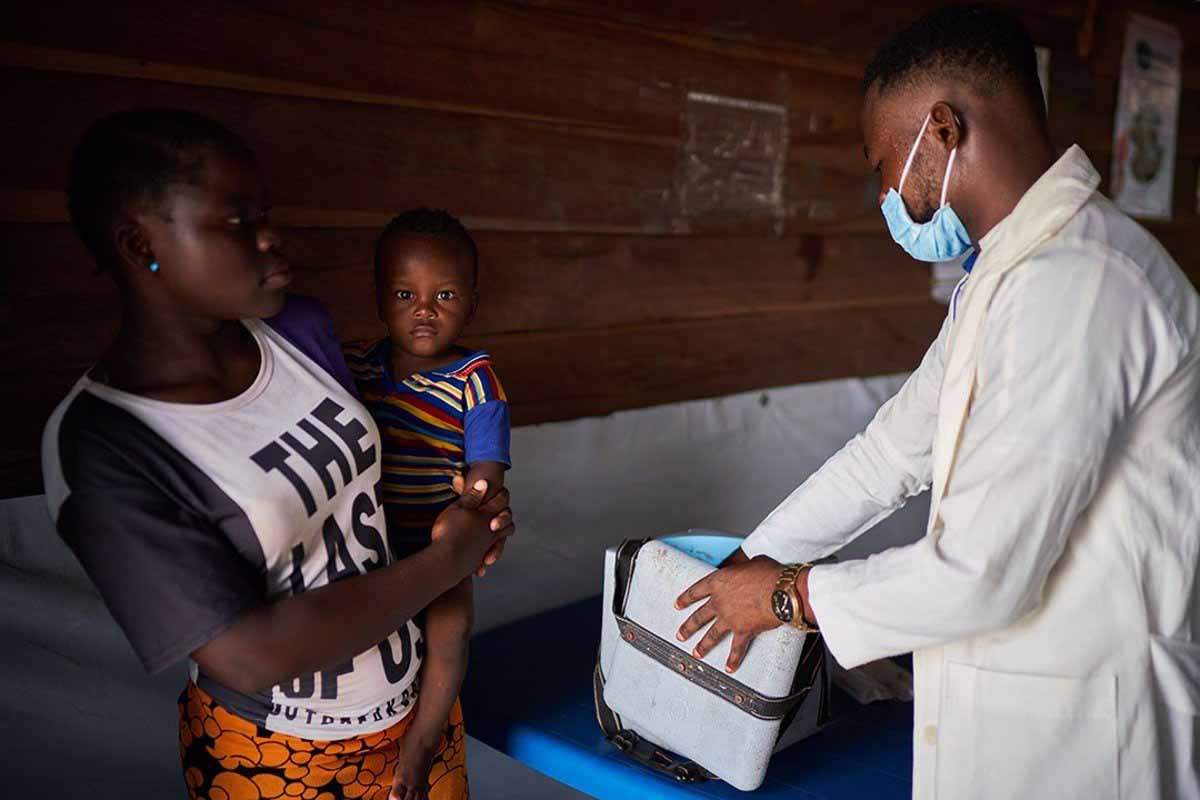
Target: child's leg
x: 448, y: 776
x: 438, y: 716
x: 439, y: 773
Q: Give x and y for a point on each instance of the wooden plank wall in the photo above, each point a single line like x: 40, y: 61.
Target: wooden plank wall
x: 555, y: 127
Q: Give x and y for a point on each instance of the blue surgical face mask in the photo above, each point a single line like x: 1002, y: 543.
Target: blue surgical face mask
x: 943, y: 238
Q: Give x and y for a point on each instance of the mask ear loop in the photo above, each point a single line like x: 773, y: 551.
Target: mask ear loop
x: 946, y: 180
x: 912, y: 153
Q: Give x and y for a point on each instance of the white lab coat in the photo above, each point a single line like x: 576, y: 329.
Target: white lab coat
x: 1052, y: 606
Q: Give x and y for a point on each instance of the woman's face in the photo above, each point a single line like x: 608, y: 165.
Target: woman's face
x: 218, y: 255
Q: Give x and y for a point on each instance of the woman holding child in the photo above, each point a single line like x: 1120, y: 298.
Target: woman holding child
x: 221, y: 483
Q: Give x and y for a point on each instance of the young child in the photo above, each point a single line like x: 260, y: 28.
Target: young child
x: 441, y: 411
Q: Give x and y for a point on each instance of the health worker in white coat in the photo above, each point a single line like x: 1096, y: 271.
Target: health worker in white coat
x: 1052, y: 607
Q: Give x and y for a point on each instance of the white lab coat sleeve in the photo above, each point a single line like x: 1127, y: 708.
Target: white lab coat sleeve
x: 872, y: 476
x: 1072, y: 343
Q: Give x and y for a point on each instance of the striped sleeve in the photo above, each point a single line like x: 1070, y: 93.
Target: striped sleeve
x: 482, y: 386
x: 486, y: 430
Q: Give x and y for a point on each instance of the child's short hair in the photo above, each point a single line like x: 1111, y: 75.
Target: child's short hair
x: 431, y: 222
x: 130, y: 158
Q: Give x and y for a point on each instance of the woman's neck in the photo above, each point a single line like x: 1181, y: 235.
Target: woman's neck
x: 179, y: 358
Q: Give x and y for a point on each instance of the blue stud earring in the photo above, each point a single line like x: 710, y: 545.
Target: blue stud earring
x: 154, y: 266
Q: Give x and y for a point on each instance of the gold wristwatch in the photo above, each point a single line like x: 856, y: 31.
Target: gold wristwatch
x: 785, y: 600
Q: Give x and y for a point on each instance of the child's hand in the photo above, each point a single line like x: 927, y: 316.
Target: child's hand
x: 495, y: 480
x: 412, y: 771
x: 490, y: 471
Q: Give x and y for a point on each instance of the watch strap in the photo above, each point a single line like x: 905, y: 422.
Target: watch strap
x: 787, y: 583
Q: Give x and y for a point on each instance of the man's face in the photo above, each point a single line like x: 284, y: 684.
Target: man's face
x: 890, y: 126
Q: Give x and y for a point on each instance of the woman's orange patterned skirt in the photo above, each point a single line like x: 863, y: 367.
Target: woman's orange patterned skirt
x: 226, y: 757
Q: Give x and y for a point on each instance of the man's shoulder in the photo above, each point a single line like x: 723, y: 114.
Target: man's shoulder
x: 1104, y: 253
x: 1101, y: 278
x: 1098, y: 248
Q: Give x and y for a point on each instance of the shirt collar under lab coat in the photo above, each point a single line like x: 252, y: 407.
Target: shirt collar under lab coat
x: 1042, y: 211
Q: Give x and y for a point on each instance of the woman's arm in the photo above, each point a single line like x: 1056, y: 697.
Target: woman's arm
x: 316, y: 629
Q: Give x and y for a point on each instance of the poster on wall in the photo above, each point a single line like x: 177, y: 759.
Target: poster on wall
x: 1147, y: 119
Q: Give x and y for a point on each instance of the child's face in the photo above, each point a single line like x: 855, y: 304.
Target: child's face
x: 218, y: 255
x: 426, y: 294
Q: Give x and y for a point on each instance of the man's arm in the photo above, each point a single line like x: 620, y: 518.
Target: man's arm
x: 1055, y: 385
x: 872, y: 476
x: 864, y: 482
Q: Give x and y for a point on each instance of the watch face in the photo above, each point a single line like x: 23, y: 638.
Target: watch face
x: 781, y: 604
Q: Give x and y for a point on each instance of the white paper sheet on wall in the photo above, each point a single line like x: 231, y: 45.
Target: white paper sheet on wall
x: 733, y: 158
x: 1147, y: 118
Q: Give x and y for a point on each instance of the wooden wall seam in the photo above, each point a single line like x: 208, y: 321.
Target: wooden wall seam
x: 47, y: 206
x: 14, y: 55
x: 774, y: 53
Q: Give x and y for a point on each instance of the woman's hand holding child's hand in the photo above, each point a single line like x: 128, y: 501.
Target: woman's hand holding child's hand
x: 474, y: 528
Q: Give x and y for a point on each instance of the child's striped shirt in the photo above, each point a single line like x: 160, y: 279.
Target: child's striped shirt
x: 433, y: 425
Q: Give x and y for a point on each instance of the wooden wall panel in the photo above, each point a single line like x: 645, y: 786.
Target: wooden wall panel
x: 555, y: 128
x: 315, y: 154
x: 578, y: 324
x: 323, y: 154
x: 594, y: 371
x: 846, y: 35
x: 494, y: 58
x: 549, y: 282
x: 529, y: 283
